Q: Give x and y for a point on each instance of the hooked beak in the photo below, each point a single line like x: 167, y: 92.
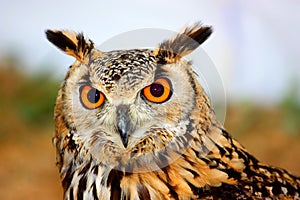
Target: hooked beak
x: 123, y: 123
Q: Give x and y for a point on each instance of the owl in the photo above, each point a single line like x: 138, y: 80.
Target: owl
x: 136, y: 124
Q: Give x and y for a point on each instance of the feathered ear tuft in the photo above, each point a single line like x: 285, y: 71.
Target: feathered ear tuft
x: 170, y: 51
x: 73, y: 44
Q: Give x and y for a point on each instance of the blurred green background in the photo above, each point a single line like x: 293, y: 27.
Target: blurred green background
x: 255, y: 49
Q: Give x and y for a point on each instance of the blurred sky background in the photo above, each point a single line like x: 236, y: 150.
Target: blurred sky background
x: 255, y: 44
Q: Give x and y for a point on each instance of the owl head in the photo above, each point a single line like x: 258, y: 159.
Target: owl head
x: 129, y: 108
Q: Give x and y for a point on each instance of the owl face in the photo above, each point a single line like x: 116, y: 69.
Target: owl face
x: 126, y: 107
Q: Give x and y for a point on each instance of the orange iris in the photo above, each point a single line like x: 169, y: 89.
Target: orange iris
x: 159, y: 91
x: 90, y: 97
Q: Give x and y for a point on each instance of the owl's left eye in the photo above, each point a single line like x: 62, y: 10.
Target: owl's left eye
x: 90, y: 97
x: 159, y: 91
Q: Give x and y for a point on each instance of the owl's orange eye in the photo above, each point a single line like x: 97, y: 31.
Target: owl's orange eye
x: 90, y: 97
x: 159, y: 91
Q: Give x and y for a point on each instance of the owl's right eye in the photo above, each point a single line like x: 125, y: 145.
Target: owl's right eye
x: 159, y: 91
x: 90, y: 97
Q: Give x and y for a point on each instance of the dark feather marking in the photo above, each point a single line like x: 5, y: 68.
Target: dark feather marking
x: 71, y: 194
x: 95, y: 192
x: 199, y: 36
x: 230, y: 151
x: 291, y: 190
x: 60, y: 40
x: 85, y: 169
x: 182, y: 43
x: 114, y: 180
x: 63, y: 42
x: 71, y: 142
x: 232, y: 173
x: 172, y: 191
x: 225, y: 191
x: 171, y: 188
x: 276, y: 187
x: 82, y: 43
x: 95, y: 170
x: 194, y: 189
x: 81, y: 187
x: 143, y: 192
x: 221, y: 149
x: 195, y: 174
x: 68, y: 178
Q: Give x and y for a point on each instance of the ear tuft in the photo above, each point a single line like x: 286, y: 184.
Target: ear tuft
x: 73, y: 44
x: 170, y: 51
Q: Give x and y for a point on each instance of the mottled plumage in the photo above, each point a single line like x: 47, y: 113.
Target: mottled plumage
x: 136, y: 124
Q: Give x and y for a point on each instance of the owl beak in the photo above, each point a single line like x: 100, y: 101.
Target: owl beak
x: 123, y: 123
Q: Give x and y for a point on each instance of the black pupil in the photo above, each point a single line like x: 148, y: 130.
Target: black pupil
x: 93, y: 95
x: 157, y: 90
